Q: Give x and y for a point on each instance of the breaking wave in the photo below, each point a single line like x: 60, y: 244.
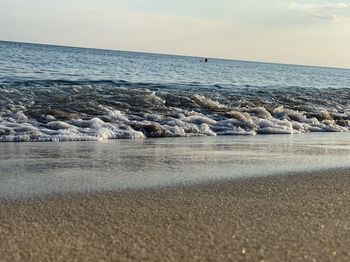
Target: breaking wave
x: 98, y: 110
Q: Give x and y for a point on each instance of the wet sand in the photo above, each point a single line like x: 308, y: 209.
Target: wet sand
x: 278, y: 218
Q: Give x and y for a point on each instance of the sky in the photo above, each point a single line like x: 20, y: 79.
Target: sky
x: 314, y: 32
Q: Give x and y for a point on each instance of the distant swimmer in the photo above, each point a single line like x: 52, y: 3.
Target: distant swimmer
x: 206, y: 60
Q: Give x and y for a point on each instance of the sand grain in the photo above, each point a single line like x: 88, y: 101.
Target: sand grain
x: 299, y: 217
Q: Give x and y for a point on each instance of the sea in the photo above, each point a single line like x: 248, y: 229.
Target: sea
x: 54, y: 93
x: 90, y: 119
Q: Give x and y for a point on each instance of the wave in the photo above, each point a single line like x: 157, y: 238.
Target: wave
x: 60, y: 110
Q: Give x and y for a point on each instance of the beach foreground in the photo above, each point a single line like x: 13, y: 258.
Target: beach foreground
x: 278, y: 218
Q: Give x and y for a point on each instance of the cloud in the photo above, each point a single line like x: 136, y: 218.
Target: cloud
x: 334, y: 11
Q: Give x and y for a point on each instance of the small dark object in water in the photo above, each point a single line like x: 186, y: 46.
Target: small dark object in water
x: 206, y: 60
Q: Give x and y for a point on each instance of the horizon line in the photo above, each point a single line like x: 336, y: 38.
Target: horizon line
x: 179, y: 55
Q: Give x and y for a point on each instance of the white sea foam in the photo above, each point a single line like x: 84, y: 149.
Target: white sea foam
x: 249, y: 121
x: 140, y: 113
x: 258, y: 111
x: 199, y: 119
x: 208, y: 103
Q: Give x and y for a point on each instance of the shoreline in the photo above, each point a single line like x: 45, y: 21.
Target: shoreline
x: 288, y: 217
x: 172, y: 188
x: 29, y: 169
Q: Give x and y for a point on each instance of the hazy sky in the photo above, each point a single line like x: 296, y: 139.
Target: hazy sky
x: 315, y: 32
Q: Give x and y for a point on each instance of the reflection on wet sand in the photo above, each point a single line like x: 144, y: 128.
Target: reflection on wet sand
x: 45, y: 168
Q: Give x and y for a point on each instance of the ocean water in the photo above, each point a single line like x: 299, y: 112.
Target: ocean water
x: 227, y: 116
x: 52, y: 93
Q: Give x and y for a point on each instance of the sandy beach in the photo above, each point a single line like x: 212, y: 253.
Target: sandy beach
x: 277, y: 218
x: 174, y: 131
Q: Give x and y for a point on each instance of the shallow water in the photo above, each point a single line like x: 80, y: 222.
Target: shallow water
x: 52, y: 93
x: 32, y: 169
